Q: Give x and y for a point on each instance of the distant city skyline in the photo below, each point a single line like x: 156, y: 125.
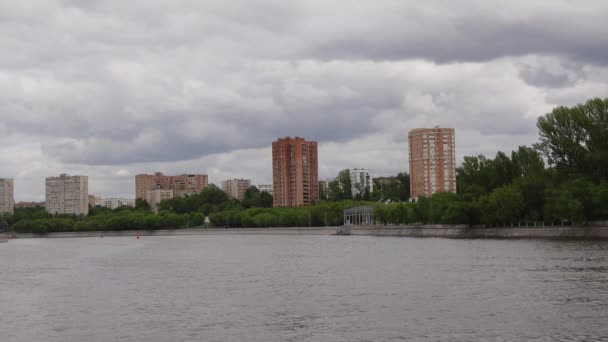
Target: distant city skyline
x: 92, y: 88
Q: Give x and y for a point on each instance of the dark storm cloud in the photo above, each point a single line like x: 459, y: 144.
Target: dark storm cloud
x: 541, y: 77
x: 463, y: 31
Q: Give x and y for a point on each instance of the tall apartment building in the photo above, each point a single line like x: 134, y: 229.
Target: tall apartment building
x: 361, y: 180
x: 295, y: 172
x: 67, y: 195
x: 265, y: 188
x: 432, y: 154
x: 7, y: 200
x: 236, y: 188
x: 154, y: 197
x: 181, y: 185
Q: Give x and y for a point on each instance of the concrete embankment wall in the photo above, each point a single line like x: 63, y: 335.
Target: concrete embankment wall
x: 196, y: 231
x: 443, y: 231
x: 464, y: 232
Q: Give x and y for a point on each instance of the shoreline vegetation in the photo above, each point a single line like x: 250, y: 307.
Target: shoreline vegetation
x: 562, y: 179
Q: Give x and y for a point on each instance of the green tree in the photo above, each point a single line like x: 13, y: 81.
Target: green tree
x: 562, y: 206
x: 576, y: 139
x: 396, y: 189
x: 251, y: 198
x: 474, y: 176
x: 403, y: 181
x: 142, y: 204
x: 266, y: 200
x: 527, y: 162
x: 211, y: 199
x: 506, y: 204
x: 340, y: 188
x: 438, y: 205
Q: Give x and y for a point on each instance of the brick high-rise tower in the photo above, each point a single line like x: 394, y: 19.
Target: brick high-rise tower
x: 432, y: 161
x: 295, y: 172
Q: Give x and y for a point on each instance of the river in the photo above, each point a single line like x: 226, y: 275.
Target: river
x: 302, y: 288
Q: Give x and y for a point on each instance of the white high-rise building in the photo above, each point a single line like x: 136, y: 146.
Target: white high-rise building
x: 236, y: 188
x: 67, y: 195
x: 361, y: 180
x: 7, y: 201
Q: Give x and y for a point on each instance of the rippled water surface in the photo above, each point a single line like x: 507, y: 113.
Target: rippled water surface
x: 302, y: 288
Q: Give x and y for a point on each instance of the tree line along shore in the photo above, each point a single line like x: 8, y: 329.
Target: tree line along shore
x: 563, y: 177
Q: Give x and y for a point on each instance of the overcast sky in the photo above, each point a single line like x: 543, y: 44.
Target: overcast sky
x: 110, y: 89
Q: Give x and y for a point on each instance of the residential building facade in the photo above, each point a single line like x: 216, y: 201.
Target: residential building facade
x: 94, y: 200
x: 181, y: 185
x: 236, y: 188
x: 154, y: 197
x: 295, y: 172
x: 7, y: 199
x: 432, y: 153
x: 114, y: 203
x: 265, y: 188
x: 361, y: 182
x: 67, y: 195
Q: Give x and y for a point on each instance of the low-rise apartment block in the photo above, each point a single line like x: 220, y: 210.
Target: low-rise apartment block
x: 181, y: 185
x: 154, y: 197
x: 236, y: 188
x: 114, y: 203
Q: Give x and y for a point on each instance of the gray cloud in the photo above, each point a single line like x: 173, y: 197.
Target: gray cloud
x: 461, y: 31
x: 111, y: 88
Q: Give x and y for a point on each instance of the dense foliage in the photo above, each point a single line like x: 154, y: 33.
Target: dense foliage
x: 504, y: 190
x: 101, y: 219
x: 324, y: 213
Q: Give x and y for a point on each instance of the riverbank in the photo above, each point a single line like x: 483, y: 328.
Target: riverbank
x: 190, y: 231
x: 466, y: 232
x: 438, y: 231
